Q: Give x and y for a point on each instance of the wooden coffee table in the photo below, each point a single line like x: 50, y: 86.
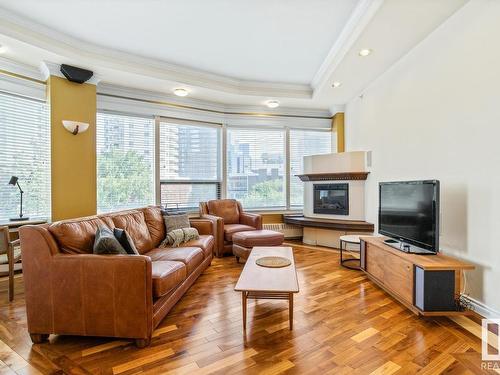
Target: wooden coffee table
x: 258, y: 282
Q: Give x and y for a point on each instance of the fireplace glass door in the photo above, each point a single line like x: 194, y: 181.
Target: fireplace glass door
x: 331, y: 199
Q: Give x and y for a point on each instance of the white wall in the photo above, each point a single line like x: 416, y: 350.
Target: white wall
x: 436, y: 114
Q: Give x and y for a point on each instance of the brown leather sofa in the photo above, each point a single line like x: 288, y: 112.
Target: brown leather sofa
x: 71, y: 291
x: 229, y: 218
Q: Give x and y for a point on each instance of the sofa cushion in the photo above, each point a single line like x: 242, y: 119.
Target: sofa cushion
x: 192, y: 257
x: 166, y: 276
x: 205, y: 242
x: 154, y: 221
x: 174, y: 222
x: 106, y: 243
x: 76, y: 236
x: 227, y: 209
x: 135, y: 225
x: 124, y: 239
x: 230, y: 229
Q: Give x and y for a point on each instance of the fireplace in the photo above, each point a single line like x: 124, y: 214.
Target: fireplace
x: 331, y: 199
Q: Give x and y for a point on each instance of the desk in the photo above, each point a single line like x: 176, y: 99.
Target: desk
x: 14, y: 225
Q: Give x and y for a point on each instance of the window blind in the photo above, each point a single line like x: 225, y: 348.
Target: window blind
x: 189, y: 164
x: 256, y: 167
x: 25, y: 153
x: 125, y: 162
x: 304, y: 143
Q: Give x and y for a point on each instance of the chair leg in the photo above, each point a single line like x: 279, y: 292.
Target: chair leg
x: 38, y: 338
x: 142, y: 343
x: 10, y: 256
x: 237, y: 259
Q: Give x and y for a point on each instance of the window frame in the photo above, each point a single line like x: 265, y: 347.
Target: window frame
x: 45, y: 107
x: 125, y: 114
x: 220, y: 160
x: 221, y: 181
x: 286, y: 178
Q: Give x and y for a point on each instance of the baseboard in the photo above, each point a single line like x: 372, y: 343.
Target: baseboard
x: 482, y: 309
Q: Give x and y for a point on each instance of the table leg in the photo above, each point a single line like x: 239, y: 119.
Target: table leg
x: 244, y: 305
x: 290, y: 309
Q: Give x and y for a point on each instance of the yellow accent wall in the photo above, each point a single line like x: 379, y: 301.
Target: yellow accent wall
x: 338, y: 130
x: 73, y: 157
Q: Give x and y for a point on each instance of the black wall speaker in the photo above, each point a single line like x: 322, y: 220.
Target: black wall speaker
x: 74, y: 74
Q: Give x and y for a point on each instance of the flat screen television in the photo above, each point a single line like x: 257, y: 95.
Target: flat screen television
x: 409, y: 215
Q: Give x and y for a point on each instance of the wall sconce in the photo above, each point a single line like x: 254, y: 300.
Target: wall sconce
x: 75, y: 127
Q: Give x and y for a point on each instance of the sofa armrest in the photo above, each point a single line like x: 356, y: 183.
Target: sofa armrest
x: 254, y: 220
x: 204, y: 226
x: 218, y: 228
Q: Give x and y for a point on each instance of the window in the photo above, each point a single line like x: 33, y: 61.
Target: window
x: 125, y: 162
x: 304, y: 143
x: 25, y: 153
x: 189, y: 164
x: 256, y: 167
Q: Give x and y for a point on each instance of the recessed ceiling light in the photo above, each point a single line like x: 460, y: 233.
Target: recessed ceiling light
x: 336, y: 84
x: 181, y: 92
x: 365, y: 52
x: 273, y: 103
x: 2, y: 48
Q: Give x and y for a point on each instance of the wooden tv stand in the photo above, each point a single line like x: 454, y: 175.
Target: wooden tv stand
x: 426, y: 284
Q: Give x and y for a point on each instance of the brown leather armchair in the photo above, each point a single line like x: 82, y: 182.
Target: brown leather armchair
x: 228, y: 217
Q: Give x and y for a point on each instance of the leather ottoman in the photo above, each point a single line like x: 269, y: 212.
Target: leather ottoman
x: 243, y: 242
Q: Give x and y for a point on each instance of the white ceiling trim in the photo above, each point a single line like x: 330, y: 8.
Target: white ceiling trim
x: 41, y: 36
x: 361, y: 16
x: 112, y: 90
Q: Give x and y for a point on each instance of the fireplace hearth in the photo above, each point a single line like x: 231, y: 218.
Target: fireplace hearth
x: 332, y: 199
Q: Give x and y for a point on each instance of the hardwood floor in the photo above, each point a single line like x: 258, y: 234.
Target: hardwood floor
x: 343, y: 324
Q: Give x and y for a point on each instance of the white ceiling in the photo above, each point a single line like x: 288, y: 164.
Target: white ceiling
x: 250, y: 40
x: 228, y: 51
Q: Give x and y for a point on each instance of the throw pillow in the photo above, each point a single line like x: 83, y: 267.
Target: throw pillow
x: 106, y: 243
x: 173, y: 222
x: 124, y: 239
x: 177, y: 236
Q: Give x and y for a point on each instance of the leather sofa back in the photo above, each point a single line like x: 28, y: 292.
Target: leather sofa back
x: 227, y: 209
x: 145, y: 226
x: 76, y: 236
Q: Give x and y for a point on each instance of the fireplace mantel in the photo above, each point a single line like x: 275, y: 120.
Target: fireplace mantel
x: 333, y: 176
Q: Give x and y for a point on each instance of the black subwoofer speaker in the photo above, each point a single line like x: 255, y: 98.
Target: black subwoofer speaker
x: 74, y: 74
x: 435, y: 290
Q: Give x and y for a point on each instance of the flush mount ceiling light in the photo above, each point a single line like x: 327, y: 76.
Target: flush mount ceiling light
x: 272, y: 104
x: 365, y: 52
x: 181, y: 92
x: 336, y: 84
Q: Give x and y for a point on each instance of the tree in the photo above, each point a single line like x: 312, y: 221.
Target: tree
x: 262, y: 193
x: 125, y: 180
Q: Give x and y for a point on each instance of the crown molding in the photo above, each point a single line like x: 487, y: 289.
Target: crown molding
x: 20, y: 69
x: 35, y: 34
x: 112, y: 90
x: 148, y: 103
x: 48, y: 69
x: 360, y: 17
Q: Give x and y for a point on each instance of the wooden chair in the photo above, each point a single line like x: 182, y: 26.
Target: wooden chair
x: 10, y: 253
